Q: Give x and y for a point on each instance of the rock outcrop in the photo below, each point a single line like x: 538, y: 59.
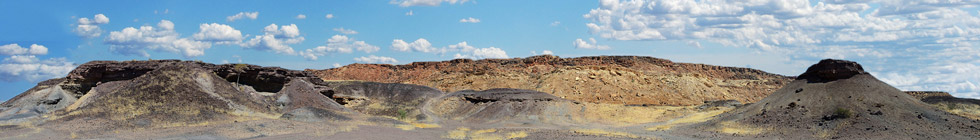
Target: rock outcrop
x: 830, y: 69
x: 630, y: 80
x: 167, y: 93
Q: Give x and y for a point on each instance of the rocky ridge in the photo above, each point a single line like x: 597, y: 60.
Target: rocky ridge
x: 629, y: 80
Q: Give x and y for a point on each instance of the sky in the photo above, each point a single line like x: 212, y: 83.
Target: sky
x: 910, y: 44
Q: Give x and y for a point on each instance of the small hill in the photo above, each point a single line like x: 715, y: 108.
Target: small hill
x: 836, y: 99
x: 630, y: 80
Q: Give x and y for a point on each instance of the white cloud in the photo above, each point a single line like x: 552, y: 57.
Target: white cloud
x: 241, y: 15
x: 329, y: 16
x: 591, y: 44
x: 484, y: 53
x: 376, y: 59
x: 548, y: 52
x: 276, y: 39
x: 694, y: 44
x: 408, y: 3
x: 459, y: 47
x: 220, y: 33
x: 339, y: 44
x: 23, y: 64
x: 133, y: 41
x: 469, y: 20
x: 14, y: 49
x: 556, y: 23
x: 926, y: 36
x: 419, y: 45
x: 410, y: 13
x: 337, y: 65
x: 89, y: 28
x: 463, y: 49
x: 301, y: 16
x: 345, y: 31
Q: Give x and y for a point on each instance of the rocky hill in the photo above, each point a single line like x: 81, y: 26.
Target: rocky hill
x: 837, y: 99
x: 630, y: 80
x: 540, y: 97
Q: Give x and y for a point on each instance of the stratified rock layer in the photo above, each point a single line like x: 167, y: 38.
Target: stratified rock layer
x: 631, y: 80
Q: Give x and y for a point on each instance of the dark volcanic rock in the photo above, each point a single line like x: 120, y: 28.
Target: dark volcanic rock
x: 508, y: 95
x: 831, y: 69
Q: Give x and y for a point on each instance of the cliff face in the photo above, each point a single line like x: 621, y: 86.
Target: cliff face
x: 630, y: 80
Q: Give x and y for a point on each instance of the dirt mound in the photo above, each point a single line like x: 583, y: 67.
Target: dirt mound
x: 506, y: 106
x: 399, y: 101
x: 630, y: 80
x: 857, y: 106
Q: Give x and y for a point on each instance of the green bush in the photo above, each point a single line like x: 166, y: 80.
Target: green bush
x: 402, y: 114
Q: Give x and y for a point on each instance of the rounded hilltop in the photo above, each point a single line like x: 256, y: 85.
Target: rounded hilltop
x: 837, y: 99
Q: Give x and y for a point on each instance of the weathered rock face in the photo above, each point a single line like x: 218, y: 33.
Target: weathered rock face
x: 830, y: 69
x: 172, y: 93
x: 630, y: 80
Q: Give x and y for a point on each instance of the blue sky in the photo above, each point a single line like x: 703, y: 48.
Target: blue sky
x: 914, y: 45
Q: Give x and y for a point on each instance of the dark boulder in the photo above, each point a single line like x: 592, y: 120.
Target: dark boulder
x: 830, y: 70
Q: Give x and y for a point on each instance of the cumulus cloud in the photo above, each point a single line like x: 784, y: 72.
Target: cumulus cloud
x: 22, y: 64
x: 544, y: 52
x: 242, y: 15
x: 591, y: 44
x: 484, y: 53
x: 339, y: 44
x: 462, y: 49
x: 345, y: 31
x: 89, y: 28
x: 14, y: 49
x: 276, y: 39
x: 376, y: 59
x: 329, y: 16
x: 220, y: 33
x: 408, y: 3
x: 301, y: 16
x: 410, y: 13
x: 133, y: 41
x: 548, y: 52
x: 336, y: 65
x: 917, y: 33
x: 419, y: 45
x: 469, y: 20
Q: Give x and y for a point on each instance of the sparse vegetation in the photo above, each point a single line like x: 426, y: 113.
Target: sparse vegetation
x: 239, y: 67
x: 839, y: 113
x: 402, y: 114
x: 843, y: 113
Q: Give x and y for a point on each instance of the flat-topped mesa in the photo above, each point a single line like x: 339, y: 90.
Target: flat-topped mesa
x: 830, y: 70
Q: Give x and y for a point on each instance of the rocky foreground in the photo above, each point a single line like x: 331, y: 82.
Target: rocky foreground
x: 540, y: 97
